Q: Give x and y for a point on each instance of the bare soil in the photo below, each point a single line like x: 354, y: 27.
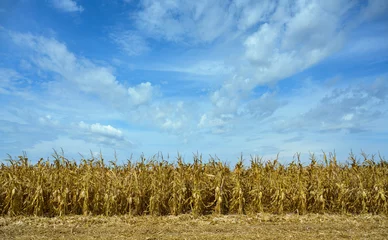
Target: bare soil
x: 261, y: 226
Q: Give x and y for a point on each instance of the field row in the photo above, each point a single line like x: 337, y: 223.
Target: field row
x: 158, y: 187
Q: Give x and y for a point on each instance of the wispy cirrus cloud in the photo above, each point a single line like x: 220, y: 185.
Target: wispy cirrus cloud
x: 196, y: 21
x: 53, y: 56
x: 8, y: 78
x: 82, y: 75
x: 130, y: 42
x: 67, y: 5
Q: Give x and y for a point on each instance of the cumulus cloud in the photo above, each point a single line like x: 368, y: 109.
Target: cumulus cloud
x: 353, y: 108
x: 48, y: 121
x: 172, y: 116
x: 229, y: 98
x: 169, y: 124
x: 261, y: 45
x: 141, y: 94
x: 103, y: 130
x: 215, y: 125
x: 286, y: 39
x: 224, y: 101
x: 281, y: 48
x: 279, y: 39
x: 67, y: 5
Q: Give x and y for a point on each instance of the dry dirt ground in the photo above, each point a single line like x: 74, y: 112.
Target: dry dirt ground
x: 262, y: 226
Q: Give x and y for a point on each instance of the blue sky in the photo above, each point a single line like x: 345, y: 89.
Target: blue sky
x: 217, y: 77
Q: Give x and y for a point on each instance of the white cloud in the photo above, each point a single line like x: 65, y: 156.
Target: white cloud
x: 280, y: 39
x: 78, y: 73
x: 141, y: 94
x: 172, y: 116
x: 293, y: 37
x: 67, y: 5
x: 261, y: 44
x: 306, y: 31
x: 130, y: 42
x: 315, y: 108
x: 348, y: 117
x: 12, y: 82
x: 314, y: 117
x: 215, y: 125
x: 264, y: 106
x: 48, y: 121
x: 204, y: 67
x: 278, y: 50
x: 201, y: 69
x: 253, y: 12
x: 202, y: 121
x: 225, y: 102
x: 51, y: 55
x: 227, y: 99
x: 7, y: 77
x: 353, y: 108
x: 103, y: 130
x: 177, y: 20
x: 169, y: 124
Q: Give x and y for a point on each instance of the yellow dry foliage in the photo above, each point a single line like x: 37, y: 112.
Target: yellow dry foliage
x: 157, y: 186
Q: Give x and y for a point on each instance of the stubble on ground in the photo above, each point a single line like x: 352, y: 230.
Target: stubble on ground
x: 261, y: 226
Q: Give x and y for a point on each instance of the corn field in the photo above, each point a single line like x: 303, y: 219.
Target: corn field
x: 156, y: 186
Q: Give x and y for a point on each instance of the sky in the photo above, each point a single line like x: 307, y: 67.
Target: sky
x: 221, y: 78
